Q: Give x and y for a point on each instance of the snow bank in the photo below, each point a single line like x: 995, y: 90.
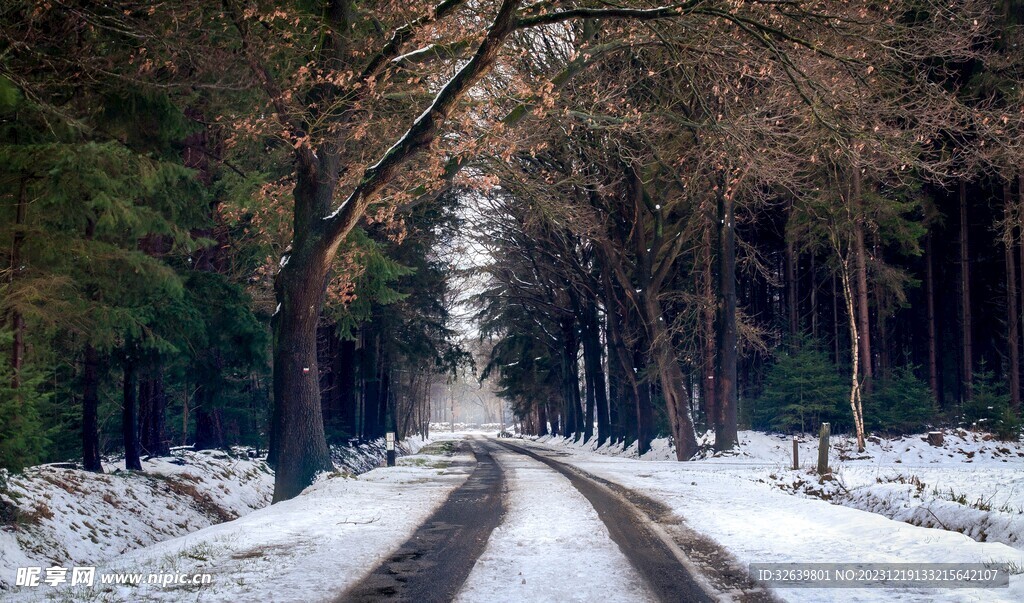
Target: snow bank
x: 972, y: 484
x: 661, y: 448
x: 362, y: 457
x: 909, y: 503
x: 305, y: 549
x: 66, y: 515
x: 72, y: 517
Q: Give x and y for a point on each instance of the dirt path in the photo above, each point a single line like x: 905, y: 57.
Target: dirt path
x: 435, y: 561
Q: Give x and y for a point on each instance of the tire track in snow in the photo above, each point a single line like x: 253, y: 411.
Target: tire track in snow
x: 653, y: 541
x: 552, y: 546
x: 433, y: 564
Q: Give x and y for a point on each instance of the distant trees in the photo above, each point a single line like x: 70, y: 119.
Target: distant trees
x: 387, y: 334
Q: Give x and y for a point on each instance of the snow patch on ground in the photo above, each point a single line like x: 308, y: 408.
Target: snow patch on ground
x: 972, y: 484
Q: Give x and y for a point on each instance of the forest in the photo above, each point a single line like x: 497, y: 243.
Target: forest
x: 290, y: 225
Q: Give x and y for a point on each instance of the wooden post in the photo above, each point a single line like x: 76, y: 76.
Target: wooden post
x: 796, y: 453
x: 390, y: 445
x: 823, y: 450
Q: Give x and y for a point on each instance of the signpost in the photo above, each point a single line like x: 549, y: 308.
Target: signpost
x: 823, y: 469
x: 390, y: 445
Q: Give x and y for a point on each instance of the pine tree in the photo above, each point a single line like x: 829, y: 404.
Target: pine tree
x: 988, y: 408
x: 803, y: 389
x: 900, y: 403
x: 23, y: 437
x: 91, y: 276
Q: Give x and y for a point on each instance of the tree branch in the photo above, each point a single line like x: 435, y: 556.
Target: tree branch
x: 401, y: 35
x: 269, y: 84
x: 633, y: 14
x: 424, y: 129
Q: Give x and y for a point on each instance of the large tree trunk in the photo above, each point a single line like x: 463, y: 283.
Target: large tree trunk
x: 129, y: 418
x: 654, y: 260
x: 302, y: 445
x: 725, y: 427
x: 967, y: 348
x: 301, y: 449
x: 1012, y: 318
x: 595, y: 373
x: 709, y: 360
x: 863, y: 332
x: 91, y: 460
x: 929, y: 292
x: 673, y: 383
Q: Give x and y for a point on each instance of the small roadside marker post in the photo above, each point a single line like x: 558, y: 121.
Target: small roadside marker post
x: 823, y: 469
x: 390, y: 445
x: 796, y: 453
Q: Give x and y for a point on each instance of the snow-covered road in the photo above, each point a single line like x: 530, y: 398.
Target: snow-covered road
x: 433, y: 563
x: 552, y: 546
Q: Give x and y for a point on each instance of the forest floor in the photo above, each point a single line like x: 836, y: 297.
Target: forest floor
x: 553, y: 544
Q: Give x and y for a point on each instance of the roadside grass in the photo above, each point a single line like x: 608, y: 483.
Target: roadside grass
x: 443, y: 447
